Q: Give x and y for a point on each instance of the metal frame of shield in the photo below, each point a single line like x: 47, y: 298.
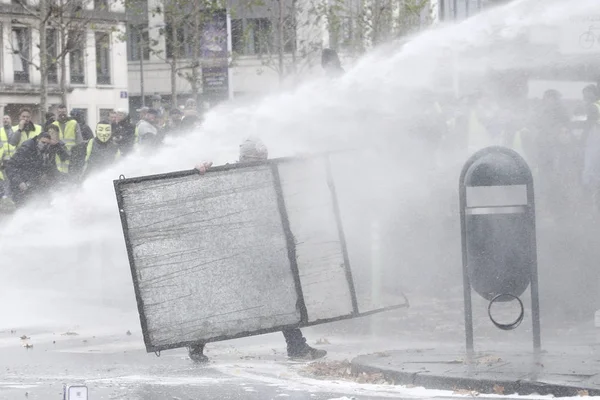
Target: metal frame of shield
x: 243, y: 250
x: 504, y: 188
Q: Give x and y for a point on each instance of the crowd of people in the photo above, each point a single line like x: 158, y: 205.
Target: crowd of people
x: 562, y: 146
x: 64, y: 150
x: 559, y: 138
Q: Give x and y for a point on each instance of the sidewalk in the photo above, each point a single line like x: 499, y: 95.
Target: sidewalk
x: 562, y: 372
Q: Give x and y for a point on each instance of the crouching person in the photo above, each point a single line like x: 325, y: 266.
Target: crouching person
x: 32, y: 170
x: 250, y: 151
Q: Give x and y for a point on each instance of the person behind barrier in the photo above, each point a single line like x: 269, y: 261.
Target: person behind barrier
x: 252, y: 150
x: 32, y: 170
x: 26, y: 129
x: 101, y: 151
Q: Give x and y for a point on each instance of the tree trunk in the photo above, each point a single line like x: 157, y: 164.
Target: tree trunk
x: 294, y: 29
x: 175, y: 47
x: 141, y: 53
x: 280, y: 43
x: 63, y: 59
x: 43, y: 61
x: 196, y: 52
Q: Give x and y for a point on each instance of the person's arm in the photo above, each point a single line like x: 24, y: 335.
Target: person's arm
x: 78, y: 136
x: 203, y: 166
x: 16, y: 165
x: 14, y: 139
x: 62, y: 152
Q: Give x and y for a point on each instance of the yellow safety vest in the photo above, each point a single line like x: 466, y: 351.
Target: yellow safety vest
x: 28, y: 135
x: 69, y: 137
x: 1, y: 156
x: 6, y: 149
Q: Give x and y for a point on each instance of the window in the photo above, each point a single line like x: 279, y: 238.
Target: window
x: 252, y: 36
x: 183, y: 42
x: 76, y: 45
x: 289, y: 34
x: 260, y: 34
x: 104, y: 114
x: 20, y: 48
x: 237, y: 36
x: 102, y: 58
x: 81, y: 111
x: 137, y: 35
x: 341, y: 33
x: 52, y: 46
x: 101, y: 5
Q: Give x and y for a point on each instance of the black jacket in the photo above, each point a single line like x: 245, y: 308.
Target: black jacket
x: 124, y: 135
x: 37, y: 169
x: 102, y: 155
x: 86, y: 132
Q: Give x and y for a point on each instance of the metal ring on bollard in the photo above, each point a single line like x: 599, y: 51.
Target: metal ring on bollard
x: 512, y: 325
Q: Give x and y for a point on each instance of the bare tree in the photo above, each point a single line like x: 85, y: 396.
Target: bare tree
x: 183, y: 35
x: 284, y: 39
x: 357, y: 25
x: 69, y: 20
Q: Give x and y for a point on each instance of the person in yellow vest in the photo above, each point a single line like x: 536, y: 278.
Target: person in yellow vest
x: 26, y: 129
x: 69, y: 134
x: 6, y: 152
x: 101, y: 151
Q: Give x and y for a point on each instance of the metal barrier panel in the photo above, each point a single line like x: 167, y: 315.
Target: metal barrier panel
x: 244, y: 249
x: 319, y: 251
x: 209, y: 256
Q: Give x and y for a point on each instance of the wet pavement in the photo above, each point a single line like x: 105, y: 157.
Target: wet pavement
x: 561, y: 373
x: 115, y: 365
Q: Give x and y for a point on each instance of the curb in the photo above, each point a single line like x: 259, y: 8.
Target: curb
x: 471, y: 383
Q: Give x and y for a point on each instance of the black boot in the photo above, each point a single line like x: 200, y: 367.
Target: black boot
x: 196, y: 353
x: 297, y: 347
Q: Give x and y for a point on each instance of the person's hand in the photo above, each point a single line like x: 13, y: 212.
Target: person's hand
x: 23, y: 186
x: 203, y: 166
x: 54, y: 139
x: 22, y: 124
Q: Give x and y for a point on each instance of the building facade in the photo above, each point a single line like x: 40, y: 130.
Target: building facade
x: 260, y: 48
x: 94, y: 56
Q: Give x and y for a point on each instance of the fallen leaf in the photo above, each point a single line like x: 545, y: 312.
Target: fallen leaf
x: 28, y: 346
x: 69, y: 333
x: 583, y: 393
x: 24, y: 337
x: 128, y: 333
x: 466, y: 392
x: 498, y: 389
x: 322, y: 341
